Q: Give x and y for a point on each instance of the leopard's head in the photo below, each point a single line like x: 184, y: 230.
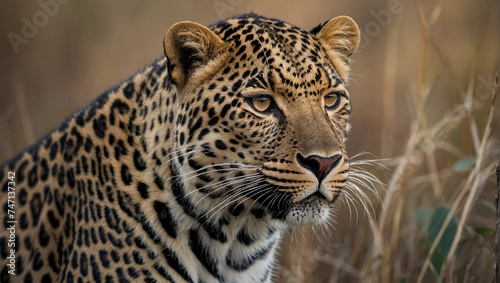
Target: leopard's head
x: 263, y: 113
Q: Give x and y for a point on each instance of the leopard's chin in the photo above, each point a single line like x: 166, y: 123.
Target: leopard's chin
x: 313, y: 210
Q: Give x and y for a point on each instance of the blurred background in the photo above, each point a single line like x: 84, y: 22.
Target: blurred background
x: 421, y: 89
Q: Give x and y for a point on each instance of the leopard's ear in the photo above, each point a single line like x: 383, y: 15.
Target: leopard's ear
x: 192, y: 51
x: 340, y: 37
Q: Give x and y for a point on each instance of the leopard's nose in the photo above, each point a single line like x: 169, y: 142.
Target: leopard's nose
x: 318, y: 165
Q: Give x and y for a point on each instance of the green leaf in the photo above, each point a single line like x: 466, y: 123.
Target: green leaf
x: 423, y: 216
x: 444, y: 245
x: 484, y: 230
x: 464, y: 164
x: 419, y: 145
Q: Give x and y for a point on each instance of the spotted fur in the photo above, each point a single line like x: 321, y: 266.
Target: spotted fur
x: 190, y: 170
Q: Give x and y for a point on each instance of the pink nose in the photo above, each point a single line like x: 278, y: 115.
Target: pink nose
x: 320, y: 166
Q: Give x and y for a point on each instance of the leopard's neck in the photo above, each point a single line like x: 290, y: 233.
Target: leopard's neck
x: 236, y: 243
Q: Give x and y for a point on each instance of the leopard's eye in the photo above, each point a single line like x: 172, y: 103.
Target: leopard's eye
x: 332, y: 101
x: 261, y: 103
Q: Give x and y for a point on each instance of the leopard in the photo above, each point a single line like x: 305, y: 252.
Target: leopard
x: 192, y: 169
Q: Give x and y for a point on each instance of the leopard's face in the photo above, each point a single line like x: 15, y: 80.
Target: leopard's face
x: 263, y: 117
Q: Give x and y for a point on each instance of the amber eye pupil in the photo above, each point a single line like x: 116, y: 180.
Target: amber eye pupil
x: 261, y: 103
x: 332, y: 101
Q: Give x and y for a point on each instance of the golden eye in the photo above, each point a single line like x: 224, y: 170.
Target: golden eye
x: 332, y: 101
x: 261, y: 103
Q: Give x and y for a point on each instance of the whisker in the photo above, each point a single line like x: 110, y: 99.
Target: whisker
x: 369, y: 182
x: 350, y: 200
x: 177, y: 156
x: 360, y: 181
x: 240, y: 180
x: 233, y: 199
x: 238, y: 195
x: 198, y: 172
x: 229, y: 181
x: 261, y: 187
x: 362, y: 198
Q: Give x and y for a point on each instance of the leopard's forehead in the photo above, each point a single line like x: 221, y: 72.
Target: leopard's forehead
x: 246, y: 27
x: 289, y: 57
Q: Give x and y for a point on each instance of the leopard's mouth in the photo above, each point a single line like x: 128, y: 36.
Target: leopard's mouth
x: 319, y: 195
x: 312, y: 209
x: 313, y: 196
